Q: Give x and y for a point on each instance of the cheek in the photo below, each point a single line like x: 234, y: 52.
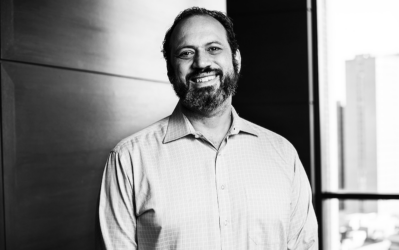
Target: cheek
x: 181, y: 71
x: 227, y: 62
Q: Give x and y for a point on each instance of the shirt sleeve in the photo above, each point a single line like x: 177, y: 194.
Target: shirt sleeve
x: 303, y: 232
x: 116, y: 206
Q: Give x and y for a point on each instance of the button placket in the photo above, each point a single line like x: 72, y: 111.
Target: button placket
x: 223, y: 197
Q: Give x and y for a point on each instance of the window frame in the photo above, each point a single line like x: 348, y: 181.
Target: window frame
x: 319, y: 195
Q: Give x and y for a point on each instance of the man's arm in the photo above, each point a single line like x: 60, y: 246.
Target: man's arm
x: 116, y: 209
x: 303, y: 224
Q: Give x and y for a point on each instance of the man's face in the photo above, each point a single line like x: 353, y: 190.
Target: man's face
x: 202, y: 63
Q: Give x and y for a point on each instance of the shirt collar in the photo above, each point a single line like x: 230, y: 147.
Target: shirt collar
x: 241, y: 125
x: 179, y: 126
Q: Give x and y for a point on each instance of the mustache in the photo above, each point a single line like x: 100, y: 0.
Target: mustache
x: 198, y: 72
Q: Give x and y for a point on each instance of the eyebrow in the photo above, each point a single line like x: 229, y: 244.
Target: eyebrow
x: 217, y: 42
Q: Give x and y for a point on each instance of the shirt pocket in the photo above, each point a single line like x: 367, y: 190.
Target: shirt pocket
x: 266, y: 218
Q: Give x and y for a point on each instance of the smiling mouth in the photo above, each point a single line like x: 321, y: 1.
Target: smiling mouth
x: 204, y: 79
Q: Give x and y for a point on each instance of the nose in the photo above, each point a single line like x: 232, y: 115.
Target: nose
x: 201, y: 60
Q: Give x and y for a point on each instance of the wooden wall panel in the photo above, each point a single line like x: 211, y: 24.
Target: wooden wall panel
x: 58, y: 127
x: 76, y: 77
x: 275, y: 87
x: 116, y: 37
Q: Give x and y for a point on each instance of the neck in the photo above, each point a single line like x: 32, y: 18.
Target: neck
x: 213, y: 125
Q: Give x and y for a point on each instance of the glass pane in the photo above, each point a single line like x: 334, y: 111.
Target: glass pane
x: 361, y: 225
x: 359, y: 94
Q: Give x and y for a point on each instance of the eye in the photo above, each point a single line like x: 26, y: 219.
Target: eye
x: 214, y: 50
x: 185, y: 54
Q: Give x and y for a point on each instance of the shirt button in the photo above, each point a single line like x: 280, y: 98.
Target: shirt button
x: 222, y: 187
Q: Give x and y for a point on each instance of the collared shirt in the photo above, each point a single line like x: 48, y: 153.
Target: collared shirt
x: 168, y: 187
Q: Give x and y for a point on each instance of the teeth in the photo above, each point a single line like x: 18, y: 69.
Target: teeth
x: 205, y: 79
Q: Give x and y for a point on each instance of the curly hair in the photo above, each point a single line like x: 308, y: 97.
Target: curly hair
x: 196, y: 11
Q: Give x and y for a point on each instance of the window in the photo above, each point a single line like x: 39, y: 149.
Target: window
x: 358, y: 65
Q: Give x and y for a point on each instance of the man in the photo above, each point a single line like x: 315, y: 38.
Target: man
x: 204, y: 178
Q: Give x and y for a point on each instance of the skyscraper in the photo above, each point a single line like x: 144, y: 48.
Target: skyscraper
x: 371, y: 128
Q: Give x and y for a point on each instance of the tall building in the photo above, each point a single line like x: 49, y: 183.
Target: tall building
x: 371, y: 128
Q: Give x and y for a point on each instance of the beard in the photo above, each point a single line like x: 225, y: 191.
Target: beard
x: 206, y: 99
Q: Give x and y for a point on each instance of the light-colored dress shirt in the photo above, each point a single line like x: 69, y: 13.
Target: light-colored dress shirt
x: 168, y: 187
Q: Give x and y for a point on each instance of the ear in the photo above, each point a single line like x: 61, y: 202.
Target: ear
x: 237, y: 57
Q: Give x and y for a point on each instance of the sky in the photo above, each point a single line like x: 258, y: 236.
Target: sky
x: 357, y: 27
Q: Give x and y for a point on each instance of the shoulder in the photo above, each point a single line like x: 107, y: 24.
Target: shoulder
x: 281, y: 145
x: 147, y: 136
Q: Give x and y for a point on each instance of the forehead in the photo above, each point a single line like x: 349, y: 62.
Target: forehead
x: 197, y: 31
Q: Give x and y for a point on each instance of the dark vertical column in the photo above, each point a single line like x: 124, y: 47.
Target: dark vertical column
x: 275, y: 90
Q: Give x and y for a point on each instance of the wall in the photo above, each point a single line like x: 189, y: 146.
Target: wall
x: 76, y: 77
